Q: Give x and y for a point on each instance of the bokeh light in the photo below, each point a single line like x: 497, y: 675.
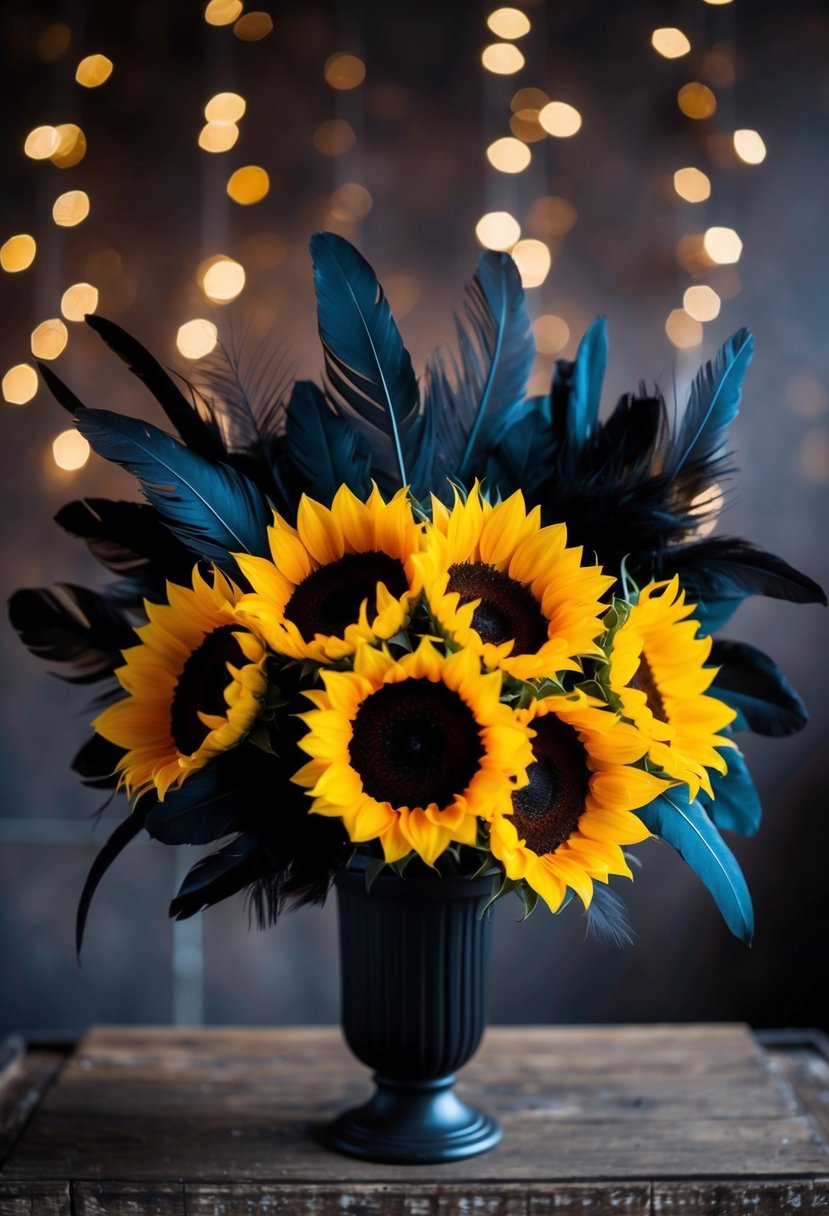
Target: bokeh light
x: 692, y: 255
x: 707, y: 506
x: 403, y: 292
x: 551, y: 334
x: 224, y: 280
x: 225, y: 107
x: 551, y: 216
x: 53, y: 42
x: 502, y: 58
x: 692, y: 185
x: 670, y: 42
x: 696, y: 100
x: 749, y: 146
x: 49, y: 338
x: 93, y: 71
x: 722, y: 245
x: 70, y: 208
x: 807, y: 396
x: 253, y: 27
x: 525, y: 125
x: 560, y: 119
x: 41, y: 143
x: 701, y: 302
x: 684, y: 331
x: 814, y: 455
x: 218, y: 136
x: 344, y: 71
x: 222, y: 12
x: 717, y: 2
x: 70, y: 451
x: 509, y: 23
x: 248, y: 185
x: 533, y: 260
x: 78, y: 301
x: 497, y: 230
x: 20, y: 384
x: 71, y: 147
x: 528, y: 99
x: 334, y: 137
x: 508, y: 155
x: 18, y: 252
x: 197, y: 338
x: 350, y: 203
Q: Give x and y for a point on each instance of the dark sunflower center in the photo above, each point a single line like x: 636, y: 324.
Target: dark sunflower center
x: 415, y: 743
x: 201, y: 686
x: 507, y: 611
x: 644, y: 681
x: 329, y: 599
x: 547, y: 810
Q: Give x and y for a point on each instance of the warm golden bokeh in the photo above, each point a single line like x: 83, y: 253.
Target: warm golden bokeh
x: 196, y: 338
x: 550, y: 216
x: 41, y: 143
x: 722, y: 245
x: 334, y: 137
x: 696, y: 100
x: 749, y: 146
x: 20, y: 384
x: 253, y: 27
x: 560, y: 119
x: 350, y: 203
x: 528, y: 99
x: 684, y: 331
x: 533, y: 260
x: 502, y: 58
x: 692, y: 185
x: 49, y: 338
x: 525, y: 125
x: 222, y: 12
x: 70, y: 208
x: 701, y: 302
x: 248, y: 185
x: 225, y: 107
x: 508, y: 155
x: 70, y: 451
x: 18, y: 253
x: 218, y: 136
x: 551, y: 334
x: 670, y: 42
x: 71, y: 147
x: 224, y: 281
x: 93, y: 71
x: 509, y: 23
x: 497, y: 230
x: 78, y: 301
x: 344, y: 71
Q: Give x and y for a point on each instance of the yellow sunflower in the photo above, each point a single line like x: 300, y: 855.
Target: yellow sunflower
x: 412, y: 751
x: 498, y: 583
x: 657, y: 670
x: 194, y: 687
x: 341, y: 575
x: 567, y: 825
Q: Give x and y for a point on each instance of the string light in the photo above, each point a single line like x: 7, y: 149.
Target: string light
x: 692, y: 185
x: 670, y: 42
x: 696, y: 100
x: 509, y: 23
x: 749, y: 146
x: 18, y: 253
x: 560, y: 119
x: 253, y: 27
x: 70, y: 451
x: 20, y: 384
x: 93, y: 71
x: 222, y: 12
x: 78, y: 301
x: 344, y: 71
x: 70, y: 208
x: 218, y: 136
x: 41, y: 143
x: 497, y: 230
x: 248, y: 185
x: 701, y: 302
x: 533, y: 260
x: 197, y: 338
x: 683, y: 331
x: 49, y: 338
x: 508, y: 155
x: 502, y: 58
x: 224, y: 280
x: 722, y: 245
x: 225, y: 107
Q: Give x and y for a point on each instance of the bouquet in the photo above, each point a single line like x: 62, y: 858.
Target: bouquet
x: 455, y: 629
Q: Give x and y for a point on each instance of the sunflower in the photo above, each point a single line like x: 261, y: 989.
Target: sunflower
x: 657, y: 670
x: 498, y: 583
x: 341, y: 575
x: 567, y: 825
x: 194, y: 687
x: 412, y: 751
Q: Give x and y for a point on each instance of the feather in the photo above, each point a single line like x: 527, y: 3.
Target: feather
x: 325, y: 449
x: 61, y: 393
x: 203, y: 809
x: 126, y: 831
x: 475, y: 398
x: 713, y: 404
x: 686, y: 826
x: 218, y: 876
x: 735, y: 806
x: 521, y: 458
x: 201, y: 435
x: 750, y: 682
x: 211, y: 508
x: 576, y: 391
x: 369, y: 370
x: 95, y: 763
x: 607, y: 918
x: 81, y: 628
x: 722, y: 571
x: 130, y: 539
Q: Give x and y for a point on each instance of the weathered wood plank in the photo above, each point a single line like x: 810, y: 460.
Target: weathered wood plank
x: 24, y: 1078
x: 34, y: 1199
x: 127, y: 1199
x: 743, y: 1198
x: 806, y: 1071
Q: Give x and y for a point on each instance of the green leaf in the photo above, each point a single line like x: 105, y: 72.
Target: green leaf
x: 529, y: 898
x: 373, y: 867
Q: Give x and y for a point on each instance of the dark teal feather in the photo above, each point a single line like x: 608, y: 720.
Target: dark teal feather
x: 713, y: 404
x: 211, y: 508
x: 370, y: 376
x: 576, y: 392
x: 752, y: 684
x: 735, y: 806
x: 323, y: 446
x: 74, y: 626
x: 687, y: 826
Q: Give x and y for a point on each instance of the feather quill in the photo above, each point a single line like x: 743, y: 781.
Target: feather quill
x: 126, y: 831
x: 713, y: 404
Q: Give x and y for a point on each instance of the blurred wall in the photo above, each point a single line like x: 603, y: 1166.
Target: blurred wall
x: 422, y: 120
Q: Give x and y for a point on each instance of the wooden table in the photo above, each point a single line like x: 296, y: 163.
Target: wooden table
x: 601, y: 1120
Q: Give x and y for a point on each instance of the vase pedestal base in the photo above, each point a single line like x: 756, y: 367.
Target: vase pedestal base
x: 413, y: 1122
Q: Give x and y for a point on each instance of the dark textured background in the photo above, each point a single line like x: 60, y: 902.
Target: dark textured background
x: 423, y: 119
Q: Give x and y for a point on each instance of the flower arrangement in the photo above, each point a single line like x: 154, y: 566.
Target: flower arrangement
x: 457, y: 629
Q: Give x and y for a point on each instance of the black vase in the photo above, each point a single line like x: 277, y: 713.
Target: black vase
x: 414, y: 958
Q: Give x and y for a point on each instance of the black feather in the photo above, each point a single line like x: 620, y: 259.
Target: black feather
x: 201, y: 435
x: 752, y: 684
x: 607, y: 918
x: 75, y: 626
x: 204, y: 808
x: 220, y: 875
x: 520, y: 459
x: 323, y: 446
x: 95, y: 763
x: 370, y: 376
x: 212, y: 509
x: 131, y: 540
x: 126, y: 831
x: 61, y: 392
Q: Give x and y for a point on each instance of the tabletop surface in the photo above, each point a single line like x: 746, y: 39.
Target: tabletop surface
x: 215, y: 1122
